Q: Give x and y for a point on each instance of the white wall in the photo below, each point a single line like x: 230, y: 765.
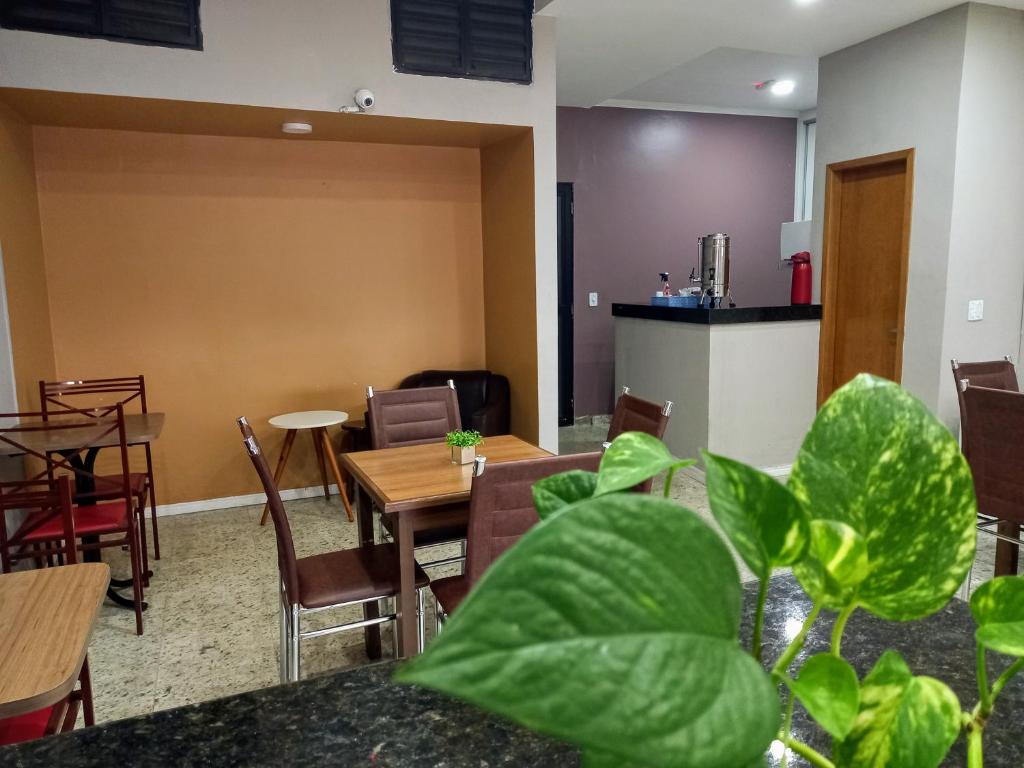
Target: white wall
x: 313, y: 54
x: 894, y: 92
x: 986, y: 251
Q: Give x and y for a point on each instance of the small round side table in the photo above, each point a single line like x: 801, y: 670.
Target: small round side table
x: 317, y: 423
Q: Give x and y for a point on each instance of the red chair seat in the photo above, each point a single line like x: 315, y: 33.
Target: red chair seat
x: 450, y: 592
x: 349, y: 575
x: 90, y: 520
x: 33, y: 725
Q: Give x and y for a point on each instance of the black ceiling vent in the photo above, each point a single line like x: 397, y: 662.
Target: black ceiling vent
x: 482, y: 39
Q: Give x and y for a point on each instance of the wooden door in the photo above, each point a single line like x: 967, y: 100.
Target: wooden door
x: 864, y: 268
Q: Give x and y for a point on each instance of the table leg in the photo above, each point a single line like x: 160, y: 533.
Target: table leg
x: 406, y: 630
x: 286, y: 449
x: 319, y: 448
x: 332, y: 459
x: 1007, y: 554
x: 364, y: 519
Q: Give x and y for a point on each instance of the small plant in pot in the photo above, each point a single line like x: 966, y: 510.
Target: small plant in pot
x: 614, y: 624
x: 463, y: 444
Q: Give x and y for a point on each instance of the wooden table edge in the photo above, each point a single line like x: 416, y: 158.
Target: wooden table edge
x: 65, y: 687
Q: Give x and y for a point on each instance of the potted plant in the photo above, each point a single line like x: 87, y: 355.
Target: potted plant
x: 463, y: 444
x: 614, y: 623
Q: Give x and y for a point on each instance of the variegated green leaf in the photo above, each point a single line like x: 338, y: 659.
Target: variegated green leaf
x: 556, y: 492
x: 998, y: 608
x: 764, y: 521
x: 613, y: 626
x: 835, y: 566
x: 879, y: 461
x: 829, y: 690
x: 904, y: 721
x: 632, y: 458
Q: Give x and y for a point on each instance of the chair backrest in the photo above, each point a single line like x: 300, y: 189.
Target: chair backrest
x: 400, y: 417
x: 282, y: 529
x: 632, y: 414
x: 58, y: 396
x: 501, y: 505
x: 995, y: 428
x: 991, y: 374
x: 61, y: 443
x: 37, y: 502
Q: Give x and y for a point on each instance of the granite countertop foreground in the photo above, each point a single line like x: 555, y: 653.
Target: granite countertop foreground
x: 358, y: 718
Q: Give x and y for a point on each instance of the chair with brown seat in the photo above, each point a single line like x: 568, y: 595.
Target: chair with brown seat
x: 68, y: 445
x: 336, y: 579
x: 56, y: 397
x: 50, y: 499
x: 404, y: 417
x: 501, y: 511
x: 995, y: 432
x: 633, y: 414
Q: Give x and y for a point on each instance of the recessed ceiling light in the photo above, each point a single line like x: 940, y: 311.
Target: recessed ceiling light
x: 783, y: 87
x: 296, y: 128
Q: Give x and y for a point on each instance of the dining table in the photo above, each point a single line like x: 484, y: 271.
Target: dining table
x: 80, y: 446
x: 46, y: 619
x: 421, y: 489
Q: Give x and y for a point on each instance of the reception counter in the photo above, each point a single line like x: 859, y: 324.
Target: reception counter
x: 743, y: 380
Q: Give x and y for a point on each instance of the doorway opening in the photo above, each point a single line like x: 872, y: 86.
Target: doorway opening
x: 566, y: 406
x: 864, y: 268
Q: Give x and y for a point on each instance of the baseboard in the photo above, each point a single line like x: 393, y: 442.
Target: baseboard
x: 229, y: 502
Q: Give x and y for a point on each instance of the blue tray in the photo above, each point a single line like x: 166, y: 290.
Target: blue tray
x: 687, y: 302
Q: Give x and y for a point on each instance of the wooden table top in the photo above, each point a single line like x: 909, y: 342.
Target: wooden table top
x: 423, y: 475
x: 46, y: 618
x: 139, y: 428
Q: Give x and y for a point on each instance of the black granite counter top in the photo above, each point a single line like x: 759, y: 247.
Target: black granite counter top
x: 358, y: 718
x: 720, y: 316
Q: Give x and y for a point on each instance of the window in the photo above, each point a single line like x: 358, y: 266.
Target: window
x: 159, y: 22
x: 481, y: 39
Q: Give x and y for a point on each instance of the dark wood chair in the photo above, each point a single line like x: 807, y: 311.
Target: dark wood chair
x: 995, y: 433
x: 58, y: 396
x: 404, y: 417
x: 633, y: 414
x: 990, y: 374
x: 500, y: 511
x: 50, y: 499
x: 329, y: 580
x: 67, y: 445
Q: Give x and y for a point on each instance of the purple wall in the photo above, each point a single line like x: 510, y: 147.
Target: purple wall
x: 647, y: 185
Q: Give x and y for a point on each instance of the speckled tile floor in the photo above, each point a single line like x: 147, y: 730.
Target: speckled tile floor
x: 212, y: 626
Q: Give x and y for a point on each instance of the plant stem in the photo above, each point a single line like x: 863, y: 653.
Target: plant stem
x: 798, y: 642
x: 787, y: 728
x: 668, y: 480
x: 762, y: 597
x: 809, y: 754
x: 840, y: 626
x: 1006, y: 677
x: 975, y: 757
x: 985, y: 705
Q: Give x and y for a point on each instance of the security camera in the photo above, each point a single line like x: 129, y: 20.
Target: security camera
x: 364, y: 100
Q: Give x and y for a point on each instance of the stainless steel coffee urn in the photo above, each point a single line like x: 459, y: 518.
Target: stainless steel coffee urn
x: 714, y: 270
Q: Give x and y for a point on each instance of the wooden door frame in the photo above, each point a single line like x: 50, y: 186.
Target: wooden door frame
x: 830, y: 255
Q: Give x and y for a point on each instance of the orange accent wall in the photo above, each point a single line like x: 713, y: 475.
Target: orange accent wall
x: 256, y: 276
x: 510, y: 259
x: 21, y: 244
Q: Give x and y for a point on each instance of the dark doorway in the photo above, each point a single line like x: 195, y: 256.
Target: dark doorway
x: 566, y: 411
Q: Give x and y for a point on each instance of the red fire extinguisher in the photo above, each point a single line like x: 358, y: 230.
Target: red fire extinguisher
x: 801, y: 293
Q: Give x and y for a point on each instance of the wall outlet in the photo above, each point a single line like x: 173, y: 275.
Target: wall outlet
x: 975, y: 310
x: 593, y: 299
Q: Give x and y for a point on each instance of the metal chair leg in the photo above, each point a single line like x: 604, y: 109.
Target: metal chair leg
x: 439, y: 618
x: 420, y: 620
x: 294, y: 660
x: 283, y: 651
x: 965, y: 588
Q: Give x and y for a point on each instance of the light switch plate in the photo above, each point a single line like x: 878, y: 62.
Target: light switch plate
x: 593, y: 299
x: 975, y: 310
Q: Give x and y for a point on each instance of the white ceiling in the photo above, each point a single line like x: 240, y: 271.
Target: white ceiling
x: 709, y: 53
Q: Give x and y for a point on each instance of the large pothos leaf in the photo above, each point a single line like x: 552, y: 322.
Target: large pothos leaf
x: 904, y: 721
x: 835, y: 565
x: 829, y: 690
x: 556, y: 492
x: 633, y: 458
x: 613, y: 626
x: 877, y: 460
x: 762, y: 518
x: 998, y: 608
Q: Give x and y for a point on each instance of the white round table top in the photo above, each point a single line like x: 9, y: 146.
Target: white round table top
x: 309, y: 419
